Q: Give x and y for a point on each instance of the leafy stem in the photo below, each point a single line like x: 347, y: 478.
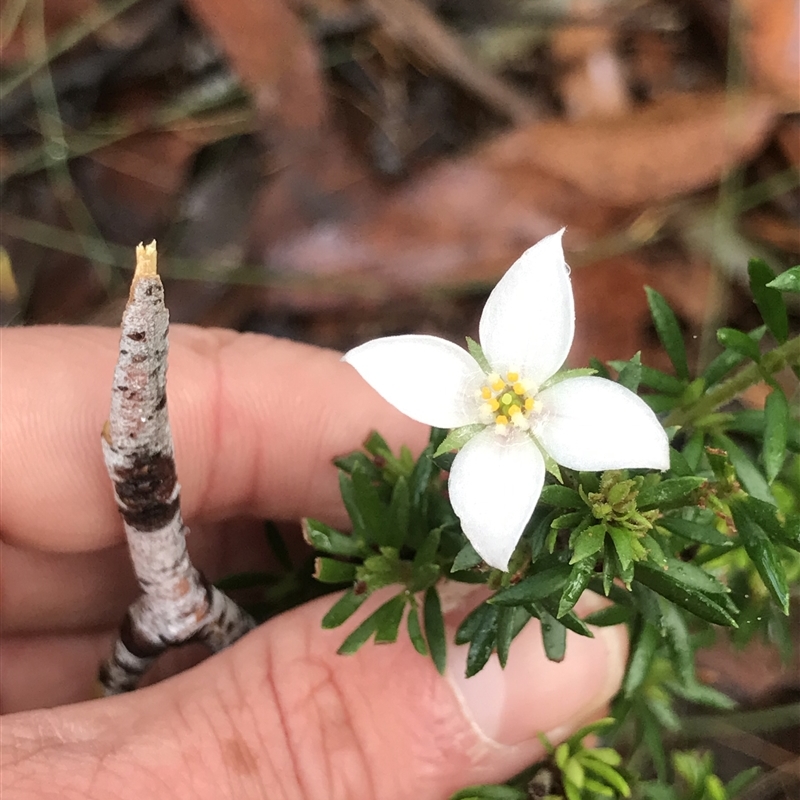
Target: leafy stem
x: 772, y: 362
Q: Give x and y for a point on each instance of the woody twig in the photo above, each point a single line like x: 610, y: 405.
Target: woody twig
x: 177, y: 605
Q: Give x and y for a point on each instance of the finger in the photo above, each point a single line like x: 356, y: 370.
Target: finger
x: 279, y: 713
x: 46, y: 592
x: 256, y: 422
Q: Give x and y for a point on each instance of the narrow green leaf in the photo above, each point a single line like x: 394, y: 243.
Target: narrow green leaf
x: 607, y: 773
x: 776, y: 415
x: 578, y: 580
x: 561, y: 497
x: 678, y: 465
x: 742, y: 780
x: 610, y: 616
x: 476, y: 351
x: 348, y: 493
x: 457, y: 438
x: 373, y: 511
x: 505, y: 633
x: 695, y: 531
x: 434, y: 629
x: 644, y: 649
x: 466, y: 630
x: 399, y: 513
x: 739, y: 342
x: 768, y: 299
x: 788, y: 281
x: 331, y: 570
x: 669, y: 331
x: 693, y: 449
x: 534, y: 587
x: 720, y: 366
x: 360, y: 635
x: 429, y: 548
x: 349, y: 462
x: 328, y: 540
x: 554, y: 637
x: 343, y: 609
x: 599, y: 367
x: 763, y: 554
x: 667, y: 584
x: 681, y: 651
x: 654, y: 379
x: 747, y: 472
x: 623, y: 545
x: 389, y: 618
x: 588, y: 542
x: 415, y: 631
x: 466, y: 559
x: 631, y: 373
x: 566, y: 374
x: 483, y: 642
x: 668, y: 492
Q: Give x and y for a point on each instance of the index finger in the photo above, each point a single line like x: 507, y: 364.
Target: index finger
x: 256, y: 422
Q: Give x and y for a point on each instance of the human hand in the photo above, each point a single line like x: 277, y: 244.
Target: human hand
x: 256, y: 423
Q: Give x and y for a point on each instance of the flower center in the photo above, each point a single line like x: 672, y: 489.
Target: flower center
x: 507, y: 400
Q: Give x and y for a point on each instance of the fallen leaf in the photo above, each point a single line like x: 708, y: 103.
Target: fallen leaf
x: 673, y: 146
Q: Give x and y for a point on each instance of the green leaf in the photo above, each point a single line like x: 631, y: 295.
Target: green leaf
x: 624, y: 541
x: 415, y: 631
x: 331, y: 570
x: 399, y: 513
x: 588, y: 542
x: 434, y: 629
x: 389, y: 619
x: 788, y: 281
x: 609, y: 616
x: 631, y: 373
x: 483, y: 641
x: 740, y: 782
x: 607, y: 773
x: 676, y: 633
x: 739, y: 342
x: 429, y: 548
x: 668, y: 492
x: 466, y: 559
x: 654, y: 379
x: 343, y: 609
x: 490, y: 793
x: 747, y: 472
x: 763, y: 554
x: 669, y: 332
x: 458, y: 437
x: 561, y: 497
x: 576, y: 584
x: 776, y: 414
x: 695, y: 531
x: 348, y: 493
x: 728, y: 359
x: 506, y: 624
x: 328, y: 540
x: 476, y: 351
x: 349, y: 462
x: 768, y: 299
x: 599, y: 367
x: 554, y: 637
x: 668, y: 583
x: 642, y: 654
x: 466, y: 630
x: 534, y: 587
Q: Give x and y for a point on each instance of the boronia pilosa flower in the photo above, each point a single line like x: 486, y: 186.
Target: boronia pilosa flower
x: 510, y: 413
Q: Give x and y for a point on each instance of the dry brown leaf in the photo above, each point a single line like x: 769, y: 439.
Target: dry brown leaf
x: 674, y: 146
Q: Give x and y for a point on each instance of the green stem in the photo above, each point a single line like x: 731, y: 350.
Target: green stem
x: 787, y: 354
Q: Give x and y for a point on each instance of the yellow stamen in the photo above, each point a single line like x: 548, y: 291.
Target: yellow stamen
x: 486, y: 392
x: 514, y: 410
x: 498, y: 384
x: 529, y: 403
x: 519, y: 388
x: 501, y: 420
x: 494, y: 405
x: 513, y: 377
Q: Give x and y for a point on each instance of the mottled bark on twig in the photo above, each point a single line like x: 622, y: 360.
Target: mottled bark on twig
x: 177, y: 604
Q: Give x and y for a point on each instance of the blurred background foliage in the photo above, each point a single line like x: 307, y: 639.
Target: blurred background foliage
x: 335, y: 170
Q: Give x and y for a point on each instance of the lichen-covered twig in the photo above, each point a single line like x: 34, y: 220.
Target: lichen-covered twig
x: 178, y: 604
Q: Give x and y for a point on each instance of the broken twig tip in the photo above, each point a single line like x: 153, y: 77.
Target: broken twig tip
x: 146, y: 260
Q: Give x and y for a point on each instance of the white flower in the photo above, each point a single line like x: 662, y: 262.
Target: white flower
x: 583, y: 423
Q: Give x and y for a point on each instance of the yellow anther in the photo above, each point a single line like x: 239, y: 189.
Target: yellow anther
x: 501, y: 420
x: 494, y: 404
x: 529, y: 403
x: 498, y: 384
x: 513, y: 377
x: 514, y: 410
x: 486, y: 392
x: 519, y: 388
x: 506, y: 398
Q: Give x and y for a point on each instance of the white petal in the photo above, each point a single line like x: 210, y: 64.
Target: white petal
x: 494, y: 485
x: 593, y: 423
x: 429, y: 379
x: 529, y: 319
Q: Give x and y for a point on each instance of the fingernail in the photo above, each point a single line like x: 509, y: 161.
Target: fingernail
x: 533, y: 695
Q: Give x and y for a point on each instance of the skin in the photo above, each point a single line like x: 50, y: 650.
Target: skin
x: 256, y: 423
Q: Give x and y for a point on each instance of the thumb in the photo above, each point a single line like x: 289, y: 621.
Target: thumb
x: 280, y: 715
